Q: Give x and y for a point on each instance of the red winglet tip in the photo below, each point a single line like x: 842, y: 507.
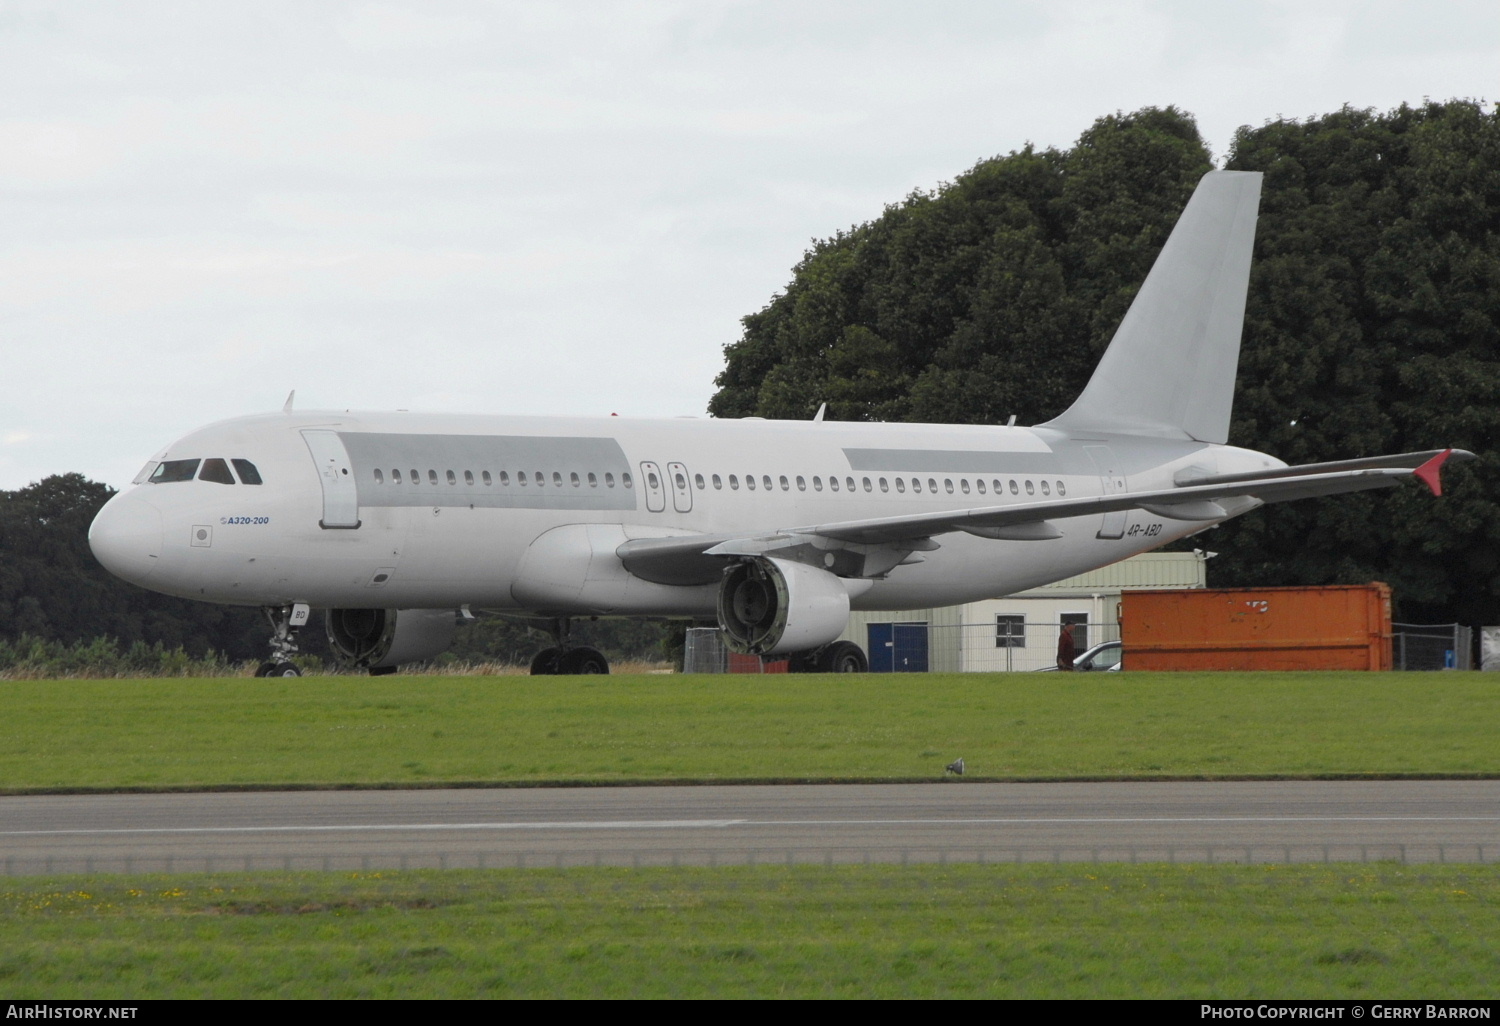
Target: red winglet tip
x: 1431, y: 471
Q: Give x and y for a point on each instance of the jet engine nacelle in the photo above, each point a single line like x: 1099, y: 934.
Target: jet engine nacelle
x: 380, y: 639
x: 774, y: 606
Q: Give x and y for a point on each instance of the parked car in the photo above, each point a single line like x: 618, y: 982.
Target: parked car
x: 1104, y: 656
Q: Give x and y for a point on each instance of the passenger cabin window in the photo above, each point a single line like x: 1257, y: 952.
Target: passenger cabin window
x: 849, y: 484
x: 625, y: 481
x: 431, y: 476
x: 866, y: 483
x: 698, y: 480
x: 980, y: 485
x: 765, y: 479
x: 734, y: 483
x: 948, y: 485
x: 395, y: 477
x: 833, y: 483
x: 963, y: 486
x: 901, y: 485
x: 556, y: 479
x: 593, y: 480
x: 217, y: 471
x: 416, y: 478
x: 718, y: 483
x: 248, y: 474
x: 504, y: 479
x: 1029, y: 489
x: 452, y: 478
x: 539, y: 478
x: 785, y: 484
x: 681, y: 482
x: 469, y: 477
x: 1045, y: 489
x: 885, y: 485
x: 817, y: 483
x: 379, y: 477
x: 916, y: 485
x: 750, y: 481
x: 574, y: 480
x: 1061, y: 490
x: 652, y: 481
x: 488, y: 481
x: 609, y: 480
x: 173, y: 471
x: 1014, y: 489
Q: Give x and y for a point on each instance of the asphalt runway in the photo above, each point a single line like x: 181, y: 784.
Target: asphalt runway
x: 1410, y: 821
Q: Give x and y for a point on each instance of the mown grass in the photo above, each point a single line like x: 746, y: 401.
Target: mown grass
x: 404, y: 731
x: 858, y: 931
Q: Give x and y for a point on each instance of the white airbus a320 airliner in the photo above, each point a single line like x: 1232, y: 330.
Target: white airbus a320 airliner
x: 397, y: 524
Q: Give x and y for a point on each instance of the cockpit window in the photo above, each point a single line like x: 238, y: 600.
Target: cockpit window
x: 217, y: 471
x: 248, y: 473
x: 145, y: 473
x: 174, y: 470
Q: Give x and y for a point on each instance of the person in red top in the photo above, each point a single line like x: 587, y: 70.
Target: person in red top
x: 1066, y: 649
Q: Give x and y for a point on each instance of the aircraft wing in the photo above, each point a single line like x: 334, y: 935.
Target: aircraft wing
x: 884, y: 542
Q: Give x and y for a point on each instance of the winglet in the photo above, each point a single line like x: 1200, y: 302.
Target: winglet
x: 289, y: 397
x: 1431, y: 471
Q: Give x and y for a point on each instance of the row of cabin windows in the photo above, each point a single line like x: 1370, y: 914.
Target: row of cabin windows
x: 884, y: 484
x: 539, y: 479
x: 214, y: 469
x: 522, y: 478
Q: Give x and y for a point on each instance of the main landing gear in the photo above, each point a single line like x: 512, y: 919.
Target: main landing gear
x: 839, y: 657
x: 286, y: 621
x: 564, y: 658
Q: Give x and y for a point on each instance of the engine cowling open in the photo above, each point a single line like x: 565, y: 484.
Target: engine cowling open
x: 379, y: 639
x: 775, y: 606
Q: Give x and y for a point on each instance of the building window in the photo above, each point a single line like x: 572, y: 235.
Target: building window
x: 1010, y: 631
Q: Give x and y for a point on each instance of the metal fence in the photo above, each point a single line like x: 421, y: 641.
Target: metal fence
x: 1013, y: 644
x: 1258, y: 854
x: 1439, y: 646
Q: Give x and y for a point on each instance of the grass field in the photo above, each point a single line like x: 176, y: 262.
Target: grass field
x: 412, y: 731
x: 1374, y: 931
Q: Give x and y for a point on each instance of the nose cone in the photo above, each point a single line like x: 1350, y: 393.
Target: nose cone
x: 126, y: 537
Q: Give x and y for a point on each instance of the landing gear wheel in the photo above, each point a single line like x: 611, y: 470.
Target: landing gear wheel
x: 278, y: 670
x: 546, y: 662
x: 843, y: 657
x: 264, y: 669
x: 583, y: 660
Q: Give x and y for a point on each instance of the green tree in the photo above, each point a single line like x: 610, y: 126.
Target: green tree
x: 1371, y: 325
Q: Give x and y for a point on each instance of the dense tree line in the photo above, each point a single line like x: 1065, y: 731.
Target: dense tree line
x: 1373, y: 322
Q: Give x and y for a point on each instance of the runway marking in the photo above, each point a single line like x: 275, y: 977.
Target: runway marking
x: 717, y: 824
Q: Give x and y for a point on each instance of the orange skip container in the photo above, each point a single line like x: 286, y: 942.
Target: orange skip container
x: 1338, y: 627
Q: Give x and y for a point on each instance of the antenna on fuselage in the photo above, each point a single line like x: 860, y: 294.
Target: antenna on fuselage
x: 289, y: 397
x: 818, y: 417
x: 1012, y: 421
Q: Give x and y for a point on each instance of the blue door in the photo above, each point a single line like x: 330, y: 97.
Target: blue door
x: 910, y: 648
x: 882, y: 647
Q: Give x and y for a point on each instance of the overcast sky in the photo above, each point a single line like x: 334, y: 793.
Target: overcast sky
x: 556, y: 207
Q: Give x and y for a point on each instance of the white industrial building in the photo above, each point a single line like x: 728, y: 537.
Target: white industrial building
x: 1018, y: 632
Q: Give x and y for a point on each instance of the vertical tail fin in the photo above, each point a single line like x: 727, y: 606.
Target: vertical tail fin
x: 1169, y: 371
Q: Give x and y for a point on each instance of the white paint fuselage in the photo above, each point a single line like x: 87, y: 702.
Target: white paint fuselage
x: 427, y: 545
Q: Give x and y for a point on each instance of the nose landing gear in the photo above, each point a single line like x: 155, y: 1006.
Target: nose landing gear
x: 286, y: 621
